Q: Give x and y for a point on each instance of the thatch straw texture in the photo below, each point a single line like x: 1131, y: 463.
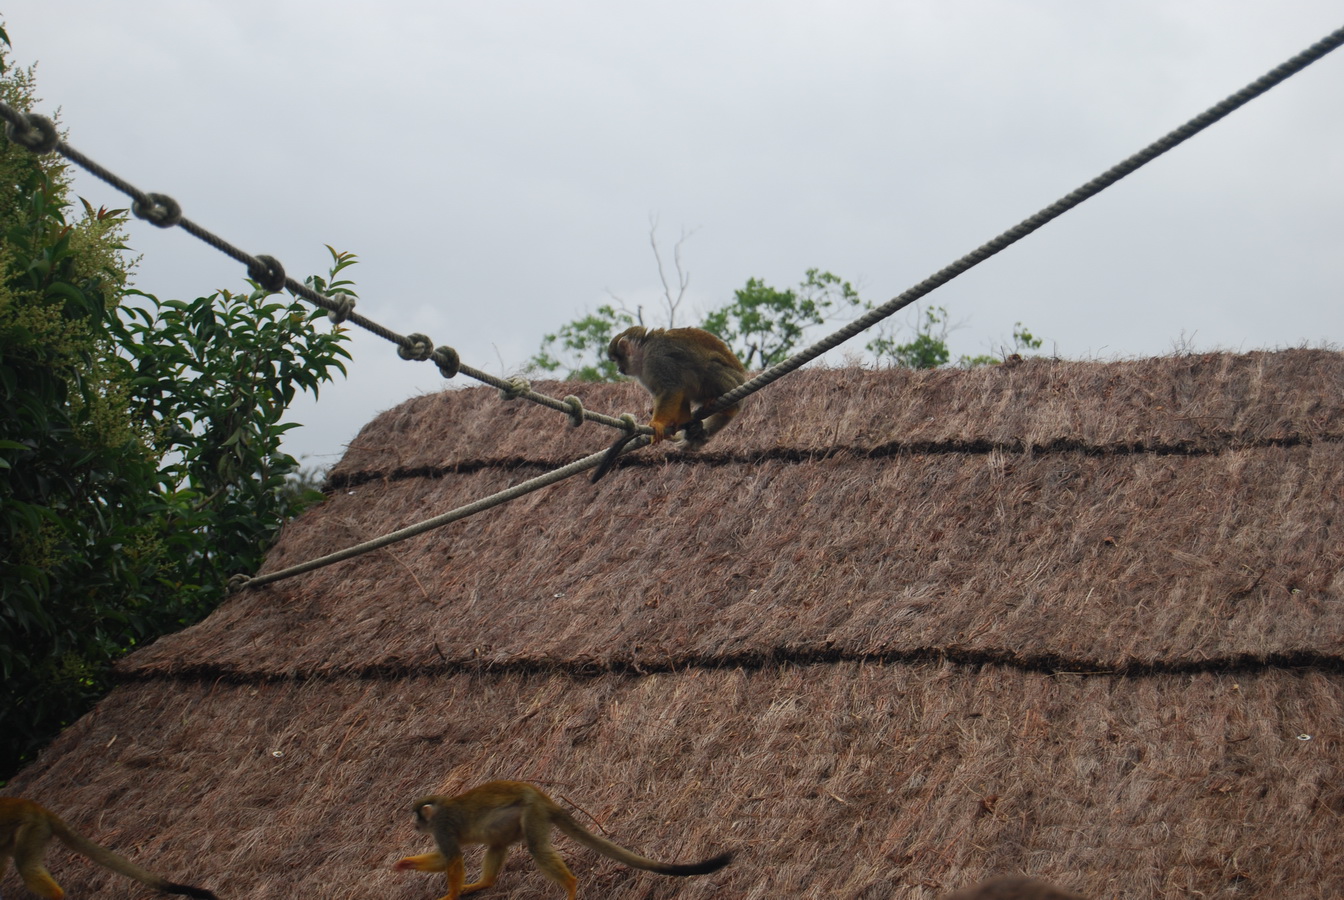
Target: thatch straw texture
x: 1013, y: 887
x: 893, y: 633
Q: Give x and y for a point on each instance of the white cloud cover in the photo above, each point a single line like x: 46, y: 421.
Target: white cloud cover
x: 495, y: 165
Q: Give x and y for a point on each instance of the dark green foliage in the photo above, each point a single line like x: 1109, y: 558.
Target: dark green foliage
x: 211, y: 380
x: 140, y: 461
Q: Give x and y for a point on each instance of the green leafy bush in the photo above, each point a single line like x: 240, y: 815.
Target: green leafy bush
x: 140, y: 460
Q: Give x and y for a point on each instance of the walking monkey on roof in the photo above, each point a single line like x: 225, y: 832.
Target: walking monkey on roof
x: 500, y: 813
x: 678, y: 366
x: 25, y: 829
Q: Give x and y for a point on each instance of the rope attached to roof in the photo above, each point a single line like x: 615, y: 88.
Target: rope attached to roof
x: 1027, y: 226
x: 238, y: 582
x: 39, y: 135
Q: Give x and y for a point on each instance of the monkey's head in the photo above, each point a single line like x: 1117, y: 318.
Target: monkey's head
x: 624, y: 349
x: 424, y: 810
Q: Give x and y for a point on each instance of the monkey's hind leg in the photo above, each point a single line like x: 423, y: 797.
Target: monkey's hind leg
x: 537, y: 831
x: 39, y: 881
x: 692, y: 437
x: 554, y: 868
x: 697, y: 434
x: 29, y: 842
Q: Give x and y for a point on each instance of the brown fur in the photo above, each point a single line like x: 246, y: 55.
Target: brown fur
x: 500, y: 813
x: 679, y: 367
x: 25, y: 829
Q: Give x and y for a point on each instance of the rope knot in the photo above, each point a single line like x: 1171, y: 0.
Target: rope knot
x: 517, y: 387
x: 417, y: 347
x: 575, y: 411
x: 345, y: 305
x: 267, y: 272
x: 160, y: 210
x: 447, y: 360
x: 38, y: 135
x: 238, y: 582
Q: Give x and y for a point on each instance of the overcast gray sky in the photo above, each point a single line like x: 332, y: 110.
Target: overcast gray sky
x: 495, y: 164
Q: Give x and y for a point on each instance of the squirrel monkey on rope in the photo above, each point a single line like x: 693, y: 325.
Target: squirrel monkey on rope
x: 25, y: 829
x: 678, y: 366
x: 500, y: 813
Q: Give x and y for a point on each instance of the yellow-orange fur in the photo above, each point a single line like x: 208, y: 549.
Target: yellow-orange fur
x: 679, y: 366
x: 25, y: 829
x: 500, y: 813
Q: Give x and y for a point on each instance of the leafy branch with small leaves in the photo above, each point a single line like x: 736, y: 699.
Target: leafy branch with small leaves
x: 140, y: 460
x: 763, y: 325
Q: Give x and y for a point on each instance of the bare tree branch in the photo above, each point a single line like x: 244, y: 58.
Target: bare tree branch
x: 683, y: 276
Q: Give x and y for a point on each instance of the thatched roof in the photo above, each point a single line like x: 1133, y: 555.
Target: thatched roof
x: 891, y: 634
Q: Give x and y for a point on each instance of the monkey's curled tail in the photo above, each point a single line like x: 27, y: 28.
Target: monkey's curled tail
x: 105, y: 857
x: 565, y: 822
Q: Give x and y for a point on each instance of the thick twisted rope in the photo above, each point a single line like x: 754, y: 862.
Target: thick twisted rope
x: 238, y: 582
x: 39, y: 135
x: 1027, y: 226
